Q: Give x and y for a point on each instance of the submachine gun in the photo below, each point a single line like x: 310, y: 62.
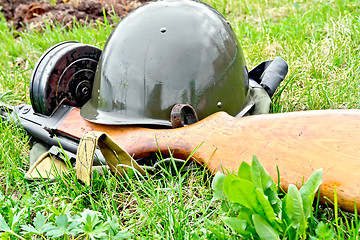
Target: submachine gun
x: 296, y: 143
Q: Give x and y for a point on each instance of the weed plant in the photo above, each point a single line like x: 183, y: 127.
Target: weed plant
x: 320, y: 41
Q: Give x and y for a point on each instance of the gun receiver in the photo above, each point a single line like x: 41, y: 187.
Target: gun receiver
x: 297, y: 143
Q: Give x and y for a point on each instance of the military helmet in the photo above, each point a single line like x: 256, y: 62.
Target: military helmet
x: 166, y: 53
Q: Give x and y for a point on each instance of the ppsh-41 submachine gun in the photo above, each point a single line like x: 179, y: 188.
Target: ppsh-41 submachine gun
x: 296, y: 144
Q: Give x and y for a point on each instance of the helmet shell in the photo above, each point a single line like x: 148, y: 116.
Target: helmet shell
x: 165, y: 53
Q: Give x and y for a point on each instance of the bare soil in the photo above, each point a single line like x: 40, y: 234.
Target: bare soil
x: 20, y: 13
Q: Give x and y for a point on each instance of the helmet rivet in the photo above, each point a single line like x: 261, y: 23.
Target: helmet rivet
x: 163, y: 30
x: 219, y: 104
x: 85, y: 91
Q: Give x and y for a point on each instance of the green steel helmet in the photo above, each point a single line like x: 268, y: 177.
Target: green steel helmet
x: 166, y: 53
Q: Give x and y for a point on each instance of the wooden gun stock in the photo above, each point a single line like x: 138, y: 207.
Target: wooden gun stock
x: 297, y: 143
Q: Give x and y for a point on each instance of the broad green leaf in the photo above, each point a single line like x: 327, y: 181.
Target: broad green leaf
x: 283, y: 212
x: 29, y: 229
x: 92, y: 225
x: 236, y: 207
x: 289, y: 231
x: 260, y: 177
x: 216, y: 230
x: 307, y: 206
x: 40, y: 225
x: 246, y: 214
x: 244, y: 171
x: 308, y: 190
x: 324, y: 231
x: 294, y: 209
x: 61, y: 227
x: 61, y: 221
x: 16, y: 218
x: 225, y: 207
x: 264, y: 229
x: 228, y: 179
x: 217, y: 186
x: 55, y: 232
x: 39, y: 221
x: 312, y: 184
x: 243, y: 192
x: 268, y: 210
x: 72, y: 228
x: 256, y: 174
x: 114, y: 225
x: 5, y: 236
x: 90, y: 218
x: 122, y: 235
x: 48, y: 227
x: 264, y: 182
x: 235, y: 224
x: 3, y: 225
x: 273, y: 199
x: 96, y: 231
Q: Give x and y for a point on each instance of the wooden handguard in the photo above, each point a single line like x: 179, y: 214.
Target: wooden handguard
x: 297, y: 143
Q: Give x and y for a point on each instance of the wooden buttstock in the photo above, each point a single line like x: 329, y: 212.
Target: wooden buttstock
x: 297, y: 143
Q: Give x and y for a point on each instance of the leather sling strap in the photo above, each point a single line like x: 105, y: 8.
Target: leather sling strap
x: 116, y: 158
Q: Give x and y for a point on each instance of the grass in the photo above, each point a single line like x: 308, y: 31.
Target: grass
x: 320, y: 41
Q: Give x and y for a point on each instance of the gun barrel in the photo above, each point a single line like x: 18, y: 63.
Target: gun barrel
x: 43, y: 127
